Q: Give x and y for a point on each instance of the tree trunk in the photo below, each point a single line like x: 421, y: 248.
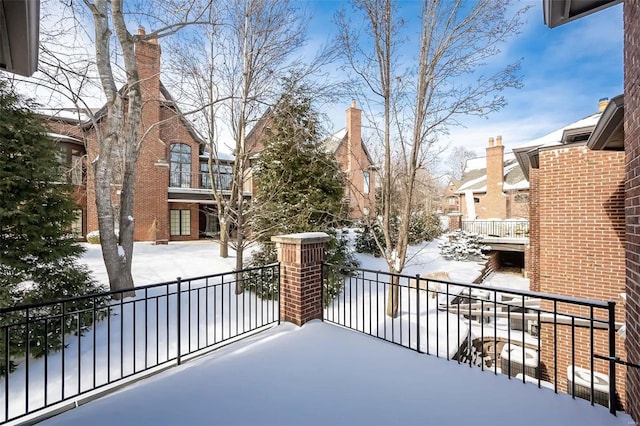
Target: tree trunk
x: 117, y: 270
x: 224, y: 239
x: 240, y: 254
x: 393, y: 299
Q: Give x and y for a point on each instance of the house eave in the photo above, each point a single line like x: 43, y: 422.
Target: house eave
x: 525, y: 157
x: 609, y: 132
x: 559, y: 12
x: 19, y: 36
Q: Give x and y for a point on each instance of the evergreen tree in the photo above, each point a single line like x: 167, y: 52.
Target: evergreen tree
x: 37, y: 253
x: 300, y: 187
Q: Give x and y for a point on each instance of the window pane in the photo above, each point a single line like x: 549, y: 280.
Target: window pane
x: 186, y: 222
x: 175, y: 222
x: 76, y: 225
x: 180, y: 166
x: 366, y: 182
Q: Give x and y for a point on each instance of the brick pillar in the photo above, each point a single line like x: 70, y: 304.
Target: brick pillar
x: 301, y: 257
x: 455, y: 221
x: 632, y: 197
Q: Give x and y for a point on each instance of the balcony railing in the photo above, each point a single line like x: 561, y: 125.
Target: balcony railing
x: 498, y: 228
x: 201, y: 180
x: 55, y: 352
x: 531, y: 336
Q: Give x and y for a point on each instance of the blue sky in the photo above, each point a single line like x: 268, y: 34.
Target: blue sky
x: 565, y: 71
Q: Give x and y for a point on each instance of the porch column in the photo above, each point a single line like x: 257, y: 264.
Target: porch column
x: 301, y: 256
x: 455, y: 221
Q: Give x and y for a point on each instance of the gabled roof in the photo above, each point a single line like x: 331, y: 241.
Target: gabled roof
x: 609, y: 132
x: 574, y: 132
x: 73, y: 116
x: 167, y: 100
x: 474, y: 177
x: 334, y: 141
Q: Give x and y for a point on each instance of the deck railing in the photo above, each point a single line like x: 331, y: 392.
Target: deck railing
x: 534, y: 337
x: 56, y: 352
x: 498, y: 228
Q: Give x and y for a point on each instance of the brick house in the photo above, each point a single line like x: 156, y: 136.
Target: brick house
x: 493, y: 187
x: 350, y: 152
x: 173, y: 199
x: 576, y: 244
x: 450, y: 200
x: 623, y: 117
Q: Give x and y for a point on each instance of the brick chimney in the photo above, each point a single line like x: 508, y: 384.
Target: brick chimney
x: 354, y: 135
x: 602, y: 104
x: 494, y: 202
x: 148, y: 62
x: 355, y: 164
x: 151, y: 214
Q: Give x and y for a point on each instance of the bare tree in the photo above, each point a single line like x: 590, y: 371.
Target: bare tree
x: 457, y: 160
x: 109, y: 75
x: 419, y: 96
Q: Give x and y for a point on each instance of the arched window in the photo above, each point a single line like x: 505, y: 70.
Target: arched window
x: 180, y: 166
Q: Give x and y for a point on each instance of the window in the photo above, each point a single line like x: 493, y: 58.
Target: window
x: 451, y: 201
x: 180, y: 222
x: 76, y: 225
x: 222, y: 176
x: 367, y: 182
x: 476, y: 199
x: 180, y: 174
x: 71, y: 159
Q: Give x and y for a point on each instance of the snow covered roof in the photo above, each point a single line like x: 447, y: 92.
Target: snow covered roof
x: 561, y: 136
x: 223, y: 156
x: 474, y: 177
x: 322, y: 374
x: 332, y: 143
x: 61, y: 137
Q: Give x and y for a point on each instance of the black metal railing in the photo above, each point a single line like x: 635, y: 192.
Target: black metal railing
x: 54, y: 352
x: 528, y: 335
x: 200, y: 180
x: 498, y: 228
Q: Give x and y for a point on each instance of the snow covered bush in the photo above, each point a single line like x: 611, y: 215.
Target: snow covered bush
x: 93, y: 237
x: 265, y: 283
x: 463, y: 245
x: 422, y: 227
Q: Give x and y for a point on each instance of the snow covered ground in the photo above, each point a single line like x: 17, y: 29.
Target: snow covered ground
x: 162, y: 263
x: 322, y: 374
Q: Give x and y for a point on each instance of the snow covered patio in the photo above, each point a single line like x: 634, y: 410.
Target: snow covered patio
x: 324, y: 374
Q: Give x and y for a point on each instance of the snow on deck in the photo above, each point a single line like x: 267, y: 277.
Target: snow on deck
x: 322, y: 374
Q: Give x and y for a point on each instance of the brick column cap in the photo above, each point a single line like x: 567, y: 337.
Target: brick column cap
x: 454, y: 214
x: 302, y: 238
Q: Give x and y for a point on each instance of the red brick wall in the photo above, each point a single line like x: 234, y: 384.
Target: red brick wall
x: 493, y: 205
x: 632, y: 187
x: 353, y: 160
x: 195, y: 221
x: 173, y: 130
x: 150, y: 208
x: 301, y: 277
x: 580, y: 240
x: 532, y: 253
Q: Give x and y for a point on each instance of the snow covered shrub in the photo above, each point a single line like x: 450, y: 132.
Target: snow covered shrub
x: 265, y: 284
x: 463, y: 245
x: 422, y: 227
x: 93, y: 237
x: 365, y: 242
